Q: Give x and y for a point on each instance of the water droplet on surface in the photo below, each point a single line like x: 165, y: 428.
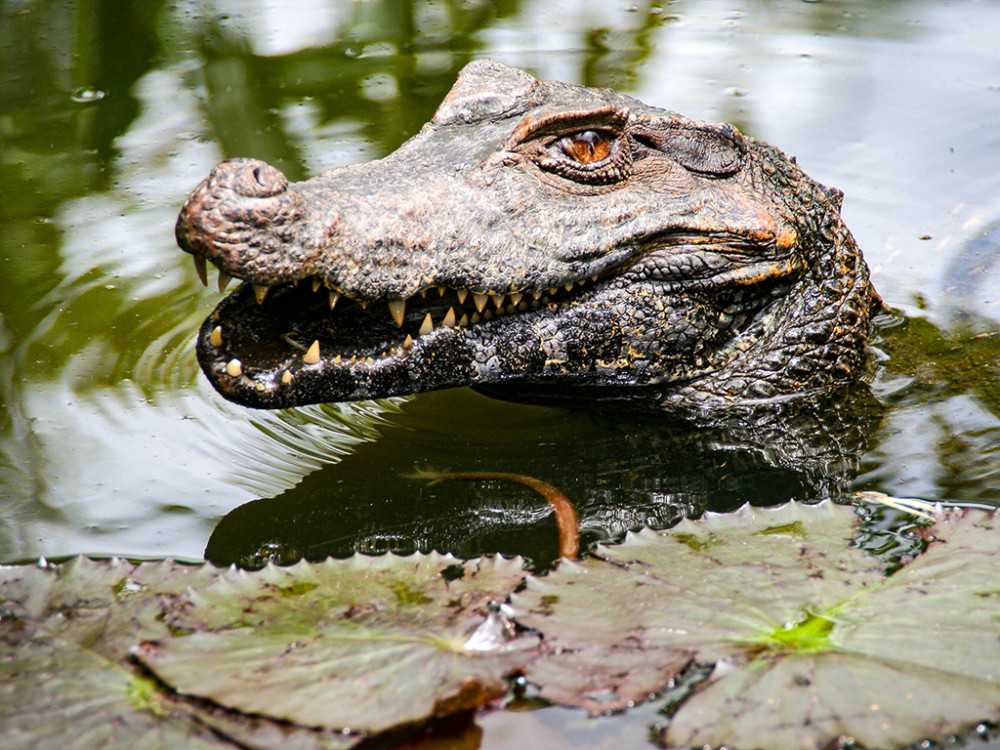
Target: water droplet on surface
x: 83, y: 95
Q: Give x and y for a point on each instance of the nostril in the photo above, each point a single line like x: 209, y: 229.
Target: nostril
x: 251, y: 178
x: 263, y: 181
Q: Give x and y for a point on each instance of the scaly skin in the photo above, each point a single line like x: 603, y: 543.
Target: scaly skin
x: 561, y: 238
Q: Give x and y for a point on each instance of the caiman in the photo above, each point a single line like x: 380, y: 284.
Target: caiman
x: 547, y: 237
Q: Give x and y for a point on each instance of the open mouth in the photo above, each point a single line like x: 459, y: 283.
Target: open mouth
x: 303, y: 342
x: 265, y: 338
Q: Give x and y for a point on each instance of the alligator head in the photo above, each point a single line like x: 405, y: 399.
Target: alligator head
x: 550, y: 235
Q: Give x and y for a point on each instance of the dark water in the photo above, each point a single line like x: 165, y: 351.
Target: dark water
x: 111, y: 442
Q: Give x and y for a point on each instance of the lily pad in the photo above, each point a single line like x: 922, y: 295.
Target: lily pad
x: 68, y: 677
x: 64, y: 679
x: 810, y: 639
x: 362, y: 645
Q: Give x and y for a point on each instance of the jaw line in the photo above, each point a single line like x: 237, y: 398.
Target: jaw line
x: 247, y: 353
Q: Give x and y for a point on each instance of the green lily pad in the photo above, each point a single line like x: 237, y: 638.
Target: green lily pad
x: 68, y: 677
x: 361, y: 645
x: 811, y: 641
x: 64, y: 678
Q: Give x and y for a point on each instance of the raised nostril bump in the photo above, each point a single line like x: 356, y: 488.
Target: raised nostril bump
x: 262, y: 181
x: 250, y: 178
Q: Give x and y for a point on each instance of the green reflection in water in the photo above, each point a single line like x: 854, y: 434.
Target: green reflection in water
x: 110, y: 115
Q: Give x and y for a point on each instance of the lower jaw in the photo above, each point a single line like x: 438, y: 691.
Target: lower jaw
x: 291, y: 351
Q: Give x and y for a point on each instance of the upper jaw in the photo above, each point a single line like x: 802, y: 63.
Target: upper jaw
x: 292, y: 347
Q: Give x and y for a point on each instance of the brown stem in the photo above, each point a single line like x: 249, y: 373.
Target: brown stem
x: 566, y: 518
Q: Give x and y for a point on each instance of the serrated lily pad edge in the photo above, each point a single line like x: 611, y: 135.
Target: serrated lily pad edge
x: 27, y: 610
x: 5, y: 569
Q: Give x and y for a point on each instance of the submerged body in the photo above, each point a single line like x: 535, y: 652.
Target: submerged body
x: 554, y: 238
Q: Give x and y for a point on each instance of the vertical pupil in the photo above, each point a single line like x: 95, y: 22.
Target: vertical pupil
x: 586, y: 147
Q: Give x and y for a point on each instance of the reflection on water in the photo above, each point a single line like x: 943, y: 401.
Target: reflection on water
x: 622, y: 472
x: 111, y: 442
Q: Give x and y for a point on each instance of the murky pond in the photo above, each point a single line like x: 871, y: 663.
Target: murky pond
x: 112, y: 442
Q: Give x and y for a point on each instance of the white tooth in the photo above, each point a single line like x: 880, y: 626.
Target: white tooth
x: 316, y: 283
x: 462, y: 294
x: 286, y: 377
x: 516, y: 298
x: 475, y: 317
x: 581, y: 282
x: 449, y: 318
x: 408, y: 342
x: 464, y: 320
x: 594, y: 277
x: 202, y: 268
x: 441, y: 291
x: 234, y: 367
x: 334, y: 296
x: 224, y: 279
x: 568, y: 287
x: 479, y: 300
x: 259, y: 292
x: 423, y: 294
x: 311, y: 357
x: 216, y: 338
x: 537, y: 294
x: 338, y: 359
x: 397, y: 308
x: 427, y: 326
x: 498, y: 299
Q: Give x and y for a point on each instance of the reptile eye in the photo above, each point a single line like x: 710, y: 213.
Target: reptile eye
x: 589, y: 148
x: 585, y: 147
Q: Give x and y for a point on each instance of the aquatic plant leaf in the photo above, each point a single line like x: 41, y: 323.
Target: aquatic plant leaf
x: 810, y: 640
x: 64, y: 679
x: 57, y: 695
x: 261, y: 733
x: 363, y: 645
x: 667, y: 598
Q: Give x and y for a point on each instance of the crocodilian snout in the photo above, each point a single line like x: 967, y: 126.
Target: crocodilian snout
x: 232, y: 191
x: 246, y: 220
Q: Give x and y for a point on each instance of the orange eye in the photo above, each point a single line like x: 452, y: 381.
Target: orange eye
x: 586, y: 147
